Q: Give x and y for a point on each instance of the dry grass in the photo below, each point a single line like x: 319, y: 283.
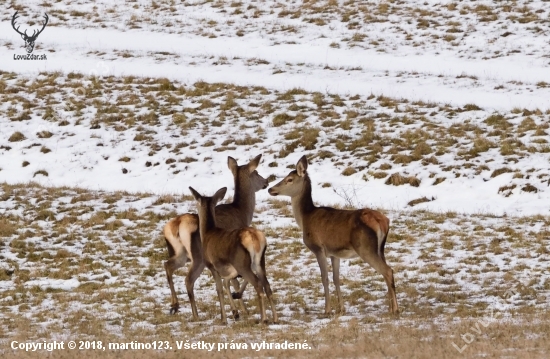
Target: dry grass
x: 414, y: 202
x: 16, y: 137
x: 500, y: 171
x: 117, y: 254
x: 397, y: 179
x: 374, y: 131
x: 352, y: 339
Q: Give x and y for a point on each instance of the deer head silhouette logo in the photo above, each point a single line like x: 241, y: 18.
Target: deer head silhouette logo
x: 29, y: 40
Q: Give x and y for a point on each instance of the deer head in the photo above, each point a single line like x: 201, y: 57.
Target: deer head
x: 29, y: 40
x: 247, y: 174
x: 292, y: 185
x: 206, y: 209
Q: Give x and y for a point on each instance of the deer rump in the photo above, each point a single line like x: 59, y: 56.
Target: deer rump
x: 245, y: 245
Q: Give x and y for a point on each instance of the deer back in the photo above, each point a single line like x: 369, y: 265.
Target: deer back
x: 229, y: 216
x: 336, y: 229
x: 227, y: 246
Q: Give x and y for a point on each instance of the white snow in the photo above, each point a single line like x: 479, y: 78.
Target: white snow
x: 64, y: 284
x: 503, y: 74
x: 442, y: 75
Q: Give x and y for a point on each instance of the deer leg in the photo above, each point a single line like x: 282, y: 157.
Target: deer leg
x: 249, y: 276
x: 219, y: 289
x: 390, y: 282
x: 267, y: 288
x: 387, y: 272
x: 238, y: 287
x: 379, y: 264
x: 322, y: 260
x: 227, y: 288
x: 336, y: 279
x: 239, y: 294
x: 195, y: 271
x: 171, y: 265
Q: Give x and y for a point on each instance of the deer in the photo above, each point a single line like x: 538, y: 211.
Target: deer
x: 29, y: 40
x: 229, y: 253
x: 183, y: 238
x: 337, y: 233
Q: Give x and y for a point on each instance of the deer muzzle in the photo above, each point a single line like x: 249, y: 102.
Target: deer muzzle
x: 272, y: 191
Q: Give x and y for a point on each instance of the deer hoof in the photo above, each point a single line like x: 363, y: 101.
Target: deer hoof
x: 236, y: 295
x: 236, y: 315
x: 327, y: 314
x: 174, y: 309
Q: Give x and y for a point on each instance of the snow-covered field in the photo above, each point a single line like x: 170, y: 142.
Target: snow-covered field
x: 435, y: 112
x: 507, y: 79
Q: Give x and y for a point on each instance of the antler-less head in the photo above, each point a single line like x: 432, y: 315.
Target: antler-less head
x: 204, y: 200
x: 293, y: 184
x: 258, y: 182
x: 248, y: 172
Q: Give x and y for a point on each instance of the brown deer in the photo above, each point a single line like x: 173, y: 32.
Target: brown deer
x: 228, y: 253
x: 336, y: 233
x: 183, y: 237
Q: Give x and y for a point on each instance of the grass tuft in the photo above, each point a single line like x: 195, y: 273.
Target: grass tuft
x: 40, y: 172
x: 414, y: 202
x: 17, y: 137
x: 397, y: 179
x: 500, y: 171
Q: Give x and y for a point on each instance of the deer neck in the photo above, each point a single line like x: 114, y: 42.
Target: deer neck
x: 244, y: 200
x: 303, y: 202
x: 207, y: 221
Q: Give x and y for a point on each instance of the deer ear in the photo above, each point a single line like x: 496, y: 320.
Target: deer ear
x: 195, y: 194
x: 252, y: 165
x: 301, y: 166
x: 232, y: 165
x: 218, y: 196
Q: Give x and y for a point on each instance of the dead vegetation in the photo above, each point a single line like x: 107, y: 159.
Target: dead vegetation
x: 373, y: 132
x: 122, y: 294
x: 397, y: 179
x: 16, y: 137
x: 411, y: 24
x: 414, y: 202
x: 115, y: 254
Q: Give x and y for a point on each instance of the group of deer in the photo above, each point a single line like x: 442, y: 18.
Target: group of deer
x: 220, y: 238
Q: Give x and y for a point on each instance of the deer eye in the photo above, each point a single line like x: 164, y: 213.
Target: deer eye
x: 289, y: 180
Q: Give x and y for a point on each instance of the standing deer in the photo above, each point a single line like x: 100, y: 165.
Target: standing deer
x: 336, y: 233
x: 183, y: 238
x: 228, y: 253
